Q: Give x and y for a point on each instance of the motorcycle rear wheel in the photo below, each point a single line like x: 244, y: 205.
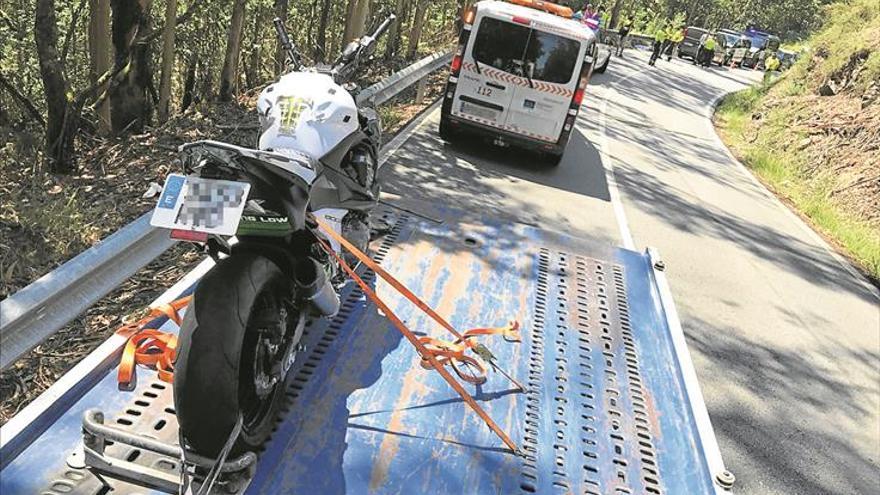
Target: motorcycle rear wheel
x: 222, y: 353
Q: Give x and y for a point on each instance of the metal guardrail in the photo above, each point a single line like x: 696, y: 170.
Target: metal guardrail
x: 35, y: 313
x: 388, y: 88
x: 39, y: 310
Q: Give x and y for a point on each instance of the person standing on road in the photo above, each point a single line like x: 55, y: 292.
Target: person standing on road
x: 660, y: 38
x: 676, y: 36
x: 622, y: 33
x: 589, y: 11
x: 701, y: 49
x: 709, y: 51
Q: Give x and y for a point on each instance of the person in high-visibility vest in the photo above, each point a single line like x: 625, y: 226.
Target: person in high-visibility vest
x: 660, y: 38
x: 772, y: 63
x: 676, y: 36
x: 709, y: 50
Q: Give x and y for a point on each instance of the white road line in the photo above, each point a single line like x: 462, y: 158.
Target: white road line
x: 608, y: 165
x: 854, y: 273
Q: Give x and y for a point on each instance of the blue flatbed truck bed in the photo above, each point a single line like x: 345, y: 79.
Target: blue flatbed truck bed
x: 612, y: 405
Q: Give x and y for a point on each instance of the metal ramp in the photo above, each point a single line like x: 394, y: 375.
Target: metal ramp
x: 612, y: 407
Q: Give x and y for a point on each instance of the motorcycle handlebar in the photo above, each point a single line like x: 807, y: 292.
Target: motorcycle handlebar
x: 282, y: 33
x: 384, y: 26
x: 348, y: 62
x: 284, y: 38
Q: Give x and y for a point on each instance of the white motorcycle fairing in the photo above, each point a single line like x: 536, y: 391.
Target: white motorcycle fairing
x: 306, y: 112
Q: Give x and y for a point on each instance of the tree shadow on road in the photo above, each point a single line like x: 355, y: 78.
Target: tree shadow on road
x: 468, y: 174
x: 687, y: 214
x: 788, y: 428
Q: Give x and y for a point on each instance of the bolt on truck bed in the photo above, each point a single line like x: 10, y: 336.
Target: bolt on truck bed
x: 612, y: 405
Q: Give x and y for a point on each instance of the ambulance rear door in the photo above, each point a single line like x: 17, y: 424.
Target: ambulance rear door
x: 489, y: 69
x: 551, y: 64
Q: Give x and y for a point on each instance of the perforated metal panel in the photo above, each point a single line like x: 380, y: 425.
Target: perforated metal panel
x: 587, y: 427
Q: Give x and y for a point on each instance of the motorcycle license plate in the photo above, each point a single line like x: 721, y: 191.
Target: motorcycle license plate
x: 195, y: 204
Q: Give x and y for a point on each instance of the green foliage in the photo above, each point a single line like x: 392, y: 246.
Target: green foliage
x: 783, y: 171
x: 200, y: 41
x: 790, y: 19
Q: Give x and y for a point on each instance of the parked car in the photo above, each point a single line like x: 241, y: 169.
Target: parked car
x: 605, y: 44
x: 519, y: 75
x: 763, y: 43
x: 690, y: 45
x: 605, y: 47
x: 733, y: 47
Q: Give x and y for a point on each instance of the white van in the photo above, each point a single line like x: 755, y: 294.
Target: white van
x: 519, y: 75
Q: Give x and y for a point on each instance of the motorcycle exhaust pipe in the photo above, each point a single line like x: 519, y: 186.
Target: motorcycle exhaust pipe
x: 312, y: 281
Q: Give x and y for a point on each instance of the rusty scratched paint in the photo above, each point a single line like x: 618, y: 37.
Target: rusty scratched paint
x: 412, y: 388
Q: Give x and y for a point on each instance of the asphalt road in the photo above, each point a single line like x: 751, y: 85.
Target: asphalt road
x: 784, y: 337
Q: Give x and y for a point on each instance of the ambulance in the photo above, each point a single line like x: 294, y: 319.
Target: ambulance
x: 518, y: 76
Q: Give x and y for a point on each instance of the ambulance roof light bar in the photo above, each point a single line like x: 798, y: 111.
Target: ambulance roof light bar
x: 550, y: 7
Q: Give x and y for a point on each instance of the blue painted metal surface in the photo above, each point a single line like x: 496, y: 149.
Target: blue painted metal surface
x: 606, y: 411
x: 368, y: 419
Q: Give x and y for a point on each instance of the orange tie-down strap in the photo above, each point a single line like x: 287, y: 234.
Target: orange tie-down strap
x: 453, y: 353
x: 149, y: 347
x: 431, y: 351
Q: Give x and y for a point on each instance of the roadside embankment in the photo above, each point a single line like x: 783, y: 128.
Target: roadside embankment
x: 813, y: 135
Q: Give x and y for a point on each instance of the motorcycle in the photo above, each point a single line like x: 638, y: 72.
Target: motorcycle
x: 317, y: 156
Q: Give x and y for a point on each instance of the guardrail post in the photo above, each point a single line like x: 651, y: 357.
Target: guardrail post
x: 421, y: 89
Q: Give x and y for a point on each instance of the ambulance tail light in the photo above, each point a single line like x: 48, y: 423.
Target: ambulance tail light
x: 579, y: 92
x: 455, y: 66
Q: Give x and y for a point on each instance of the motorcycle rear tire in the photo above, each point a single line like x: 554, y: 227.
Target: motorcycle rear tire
x: 215, y: 352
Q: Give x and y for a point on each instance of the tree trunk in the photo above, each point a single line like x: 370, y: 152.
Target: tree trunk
x: 99, y: 55
x: 281, y: 7
x: 392, y: 42
x: 59, y: 137
x: 350, y: 18
x: 321, y: 48
x: 189, y: 84
x: 355, y: 20
x: 167, y: 59
x: 361, y: 15
x: 229, y: 75
x: 418, y: 25
x: 252, y: 68
x: 310, y: 39
x: 130, y: 95
x: 615, y: 15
